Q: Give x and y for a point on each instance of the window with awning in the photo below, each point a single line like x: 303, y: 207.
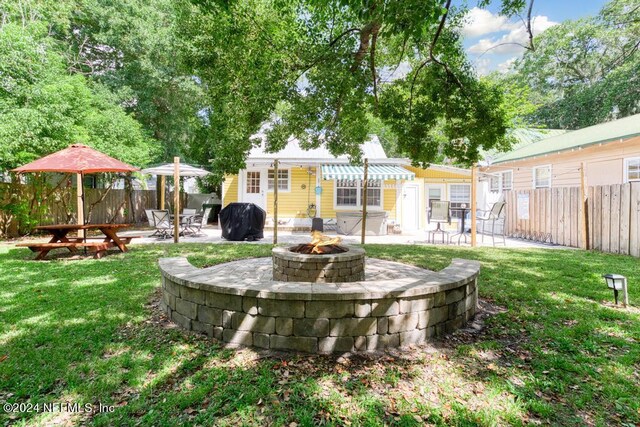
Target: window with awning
x: 375, y: 172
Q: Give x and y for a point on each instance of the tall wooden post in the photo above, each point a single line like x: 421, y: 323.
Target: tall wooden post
x: 176, y: 195
x: 80, y: 202
x: 163, y: 188
x: 584, y: 204
x: 275, y: 202
x: 365, y: 185
x: 474, y: 196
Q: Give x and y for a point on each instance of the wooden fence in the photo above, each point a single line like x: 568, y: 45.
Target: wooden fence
x: 556, y: 215
x: 101, y: 206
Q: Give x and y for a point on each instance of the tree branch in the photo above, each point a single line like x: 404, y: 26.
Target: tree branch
x: 372, y: 65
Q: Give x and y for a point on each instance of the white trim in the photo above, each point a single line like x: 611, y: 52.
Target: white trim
x: 502, y: 180
x: 318, y: 196
x: 358, y: 206
x: 288, y: 190
x: 258, y: 162
x: 533, y: 176
x: 625, y: 176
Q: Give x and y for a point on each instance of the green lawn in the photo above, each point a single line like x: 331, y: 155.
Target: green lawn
x: 87, y: 331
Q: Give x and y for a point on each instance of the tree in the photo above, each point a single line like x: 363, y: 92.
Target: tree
x: 587, y: 68
x: 326, y: 66
x: 43, y: 108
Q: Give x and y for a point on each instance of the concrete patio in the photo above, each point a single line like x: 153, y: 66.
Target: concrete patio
x: 212, y: 234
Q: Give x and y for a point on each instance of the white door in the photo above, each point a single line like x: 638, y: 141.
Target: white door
x: 255, y: 187
x: 410, y: 205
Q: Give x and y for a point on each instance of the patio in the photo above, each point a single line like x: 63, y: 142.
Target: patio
x: 213, y: 234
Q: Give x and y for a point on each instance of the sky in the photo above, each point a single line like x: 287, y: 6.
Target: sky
x: 487, y: 34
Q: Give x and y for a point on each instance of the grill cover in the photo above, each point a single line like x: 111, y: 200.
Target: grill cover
x: 242, y: 221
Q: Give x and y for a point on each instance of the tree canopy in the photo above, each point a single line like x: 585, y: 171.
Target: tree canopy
x: 44, y: 108
x: 320, y: 70
x: 583, y: 72
x: 197, y: 78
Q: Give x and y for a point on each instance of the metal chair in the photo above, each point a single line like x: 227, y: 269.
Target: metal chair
x: 162, y: 223
x: 439, y: 213
x: 197, y: 222
x: 149, y: 213
x: 495, y: 214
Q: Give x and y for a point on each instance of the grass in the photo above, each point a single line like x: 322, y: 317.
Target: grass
x: 86, y: 331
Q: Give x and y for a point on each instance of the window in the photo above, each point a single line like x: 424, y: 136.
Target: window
x: 494, y: 182
x: 374, y: 193
x: 346, y: 193
x: 435, y: 193
x: 283, y: 179
x: 349, y: 193
x: 501, y: 181
x: 632, y: 169
x: 542, y: 177
x: 253, y: 182
x: 507, y: 180
x: 459, y: 194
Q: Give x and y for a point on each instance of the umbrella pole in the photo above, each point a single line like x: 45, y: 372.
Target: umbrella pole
x: 80, y: 202
x: 163, y: 188
x: 176, y: 194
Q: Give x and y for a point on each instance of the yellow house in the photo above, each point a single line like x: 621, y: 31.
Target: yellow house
x: 314, y: 183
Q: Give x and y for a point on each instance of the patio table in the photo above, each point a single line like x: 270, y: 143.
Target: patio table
x: 99, y: 244
x: 462, y: 229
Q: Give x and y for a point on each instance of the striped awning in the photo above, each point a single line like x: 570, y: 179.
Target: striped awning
x: 382, y: 172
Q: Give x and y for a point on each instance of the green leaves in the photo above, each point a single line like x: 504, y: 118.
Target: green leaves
x: 44, y: 109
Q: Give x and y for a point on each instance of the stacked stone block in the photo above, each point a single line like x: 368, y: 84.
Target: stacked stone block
x: 334, y: 268
x: 325, y: 318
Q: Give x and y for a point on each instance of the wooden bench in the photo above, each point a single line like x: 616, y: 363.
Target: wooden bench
x: 44, y: 248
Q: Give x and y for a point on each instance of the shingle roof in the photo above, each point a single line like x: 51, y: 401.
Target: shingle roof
x: 625, y: 128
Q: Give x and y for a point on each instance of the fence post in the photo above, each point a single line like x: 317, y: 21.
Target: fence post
x: 584, y: 204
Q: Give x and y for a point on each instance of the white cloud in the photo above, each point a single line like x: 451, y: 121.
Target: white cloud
x: 483, y: 66
x: 513, y: 41
x: 505, y: 67
x: 479, y: 22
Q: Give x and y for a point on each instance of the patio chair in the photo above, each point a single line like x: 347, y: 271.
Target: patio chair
x: 493, y: 215
x: 439, y: 213
x: 152, y: 224
x: 185, y: 221
x: 197, y: 222
x: 162, y: 223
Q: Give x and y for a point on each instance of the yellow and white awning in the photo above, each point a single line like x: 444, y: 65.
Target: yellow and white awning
x: 381, y: 172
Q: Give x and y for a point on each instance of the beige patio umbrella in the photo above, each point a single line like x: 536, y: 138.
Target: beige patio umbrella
x: 177, y: 170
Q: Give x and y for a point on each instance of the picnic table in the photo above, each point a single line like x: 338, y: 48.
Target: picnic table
x: 98, y: 244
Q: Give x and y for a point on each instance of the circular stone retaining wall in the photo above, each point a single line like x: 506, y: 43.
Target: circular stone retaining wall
x: 319, y: 317
x: 331, y: 268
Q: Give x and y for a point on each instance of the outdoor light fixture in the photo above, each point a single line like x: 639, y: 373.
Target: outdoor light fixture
x: 617, y: 282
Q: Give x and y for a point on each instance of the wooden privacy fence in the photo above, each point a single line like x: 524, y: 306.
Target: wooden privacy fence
x: 556, y: 215
x: 116, y: 206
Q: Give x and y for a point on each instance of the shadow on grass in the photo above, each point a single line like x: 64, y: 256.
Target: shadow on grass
x: 82, y: 331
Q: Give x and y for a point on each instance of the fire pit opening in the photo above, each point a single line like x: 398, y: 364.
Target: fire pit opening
x: 321, y: 245
x: 323, y: 260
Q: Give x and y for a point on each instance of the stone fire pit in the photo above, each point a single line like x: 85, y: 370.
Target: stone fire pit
x: 341, y: 267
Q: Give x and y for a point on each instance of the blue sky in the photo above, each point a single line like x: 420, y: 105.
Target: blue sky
x: 489, y: 37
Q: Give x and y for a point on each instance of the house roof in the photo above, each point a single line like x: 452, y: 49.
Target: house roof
x: 621, y: 129
x: 371, y: 149
x: 523, y: 137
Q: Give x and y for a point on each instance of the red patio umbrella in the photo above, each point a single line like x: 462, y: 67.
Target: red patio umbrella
x: 79, y: 159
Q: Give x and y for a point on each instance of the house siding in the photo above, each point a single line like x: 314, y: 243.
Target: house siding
x: 229, y: 189
x: 294, y: 203
x: 604, y: 165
